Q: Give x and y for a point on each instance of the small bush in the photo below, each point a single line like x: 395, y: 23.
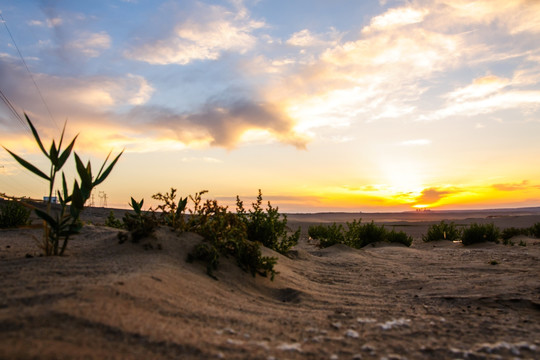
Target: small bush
x: 113, y: 222
x: 172, y: 214
x: 478, y: 233
x: 442, y: 231
x: 535, y: 230
x: 361, y: 235
x: 13, y: 214
x: 141, y: 224
x: 510, y: 232
x: 357, y: 234
x: 226, y: 234
x: 399, y: 237
x: 267, y: 227
x: 327, y: 235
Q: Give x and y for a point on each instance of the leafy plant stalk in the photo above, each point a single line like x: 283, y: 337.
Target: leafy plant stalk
x: 63, y: 224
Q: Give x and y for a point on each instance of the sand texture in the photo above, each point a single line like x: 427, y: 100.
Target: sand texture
x: 106, y: 300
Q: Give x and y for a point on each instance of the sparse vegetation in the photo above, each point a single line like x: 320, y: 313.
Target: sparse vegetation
x: 478, y: 233
x: 60, y: 224
x: 327, y: 235
x: 535, y: 230
x: 442, y: 231
x: 226, y: 234
x: 399, y: 237
x: 357, y: 234
x: 141, y: 224
x: 267, y: 227
x: 113, y: 222
x: 13, y: 214
x: 172, y: 214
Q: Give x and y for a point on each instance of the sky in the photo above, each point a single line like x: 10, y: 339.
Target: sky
x: 345, y: 105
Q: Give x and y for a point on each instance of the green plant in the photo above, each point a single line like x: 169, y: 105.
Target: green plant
x: 60, y: 225
x: 113, y: 222
x: 207, y: 253
x: 225, y: 233
x: 171, y: 212
x: 522, y: 243
x: 359, y: 235
x: 535, y: 230
x: 141, y: 224
x: 399, y: 237
x: 510, y: 232
x: 442, y: 231
x: 267, y: 227
x: 327, y: 235
x: 13, y: 214
x: 477, y: 233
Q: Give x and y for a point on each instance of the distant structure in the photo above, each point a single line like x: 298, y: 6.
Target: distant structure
x: 92, y: 203
x: 102, y: 199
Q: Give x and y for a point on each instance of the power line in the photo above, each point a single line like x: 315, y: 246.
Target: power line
x: 14, y: 112
x: 29, y: 72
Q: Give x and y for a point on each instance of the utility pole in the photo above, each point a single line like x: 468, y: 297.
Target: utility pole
x: 92, y: 203
x: 103, y: 199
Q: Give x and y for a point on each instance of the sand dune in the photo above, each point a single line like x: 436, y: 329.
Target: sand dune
x: 111, y: 300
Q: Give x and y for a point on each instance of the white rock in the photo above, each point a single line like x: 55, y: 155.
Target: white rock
x: 290, y: 347
x: 352, y: 334
x: 395, y: 323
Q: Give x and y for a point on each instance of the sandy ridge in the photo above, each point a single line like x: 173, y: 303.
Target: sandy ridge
x: 110, y: 300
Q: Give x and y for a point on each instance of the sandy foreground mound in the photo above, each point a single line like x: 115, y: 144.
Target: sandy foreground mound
x: 119, y: 301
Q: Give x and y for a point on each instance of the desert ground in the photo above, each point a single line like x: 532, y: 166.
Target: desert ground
x: 440, y: 300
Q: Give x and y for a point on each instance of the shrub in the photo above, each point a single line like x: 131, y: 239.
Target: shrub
x: 510, y: 232
x: 60, y: 225
x: 226, y: 234
x: 13, y: 214
x: 172, y: 214
x: 535, y: 230
x: 399, y: 237
x: 477, y: 233
x: 267, y: 227
x: 442, y: 231
x: 327, y: 235
x: 359, y: 236
x: 141, y: 224
x: 113, y: 222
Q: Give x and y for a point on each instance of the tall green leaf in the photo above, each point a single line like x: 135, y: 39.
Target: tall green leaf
x: 36, y: 135
x: 102, y: 176
x: 28, y: 166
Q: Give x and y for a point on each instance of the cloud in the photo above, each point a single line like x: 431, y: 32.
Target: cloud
x: 216, y: 30
x: 75, y: 98
x: 305, y: 38
x: 522, y: 186
x: 221, y: 124
x: 487, y: 95
x: 90, y: 44
x: 431, y: 196
x: 395, y: 18
x: 50, y: 23
x: 517, y: 16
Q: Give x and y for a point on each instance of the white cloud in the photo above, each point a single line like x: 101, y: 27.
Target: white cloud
x: 395, y: 18
x: 91, y: 44
x: 215, y: 31
x: 50, y: 23
x: 305, y: 38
